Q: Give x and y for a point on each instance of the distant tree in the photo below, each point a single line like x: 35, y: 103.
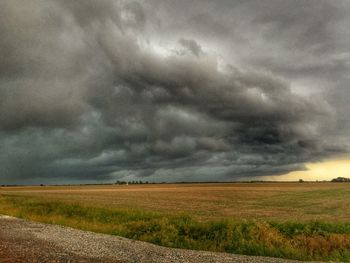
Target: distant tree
x: 301, y: 181
x: 120, y: 182
x: 340, y: 180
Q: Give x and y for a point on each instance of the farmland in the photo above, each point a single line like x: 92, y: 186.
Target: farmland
x: 307, y: 221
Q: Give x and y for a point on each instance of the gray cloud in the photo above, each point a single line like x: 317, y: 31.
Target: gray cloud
x: 192, y: 46
x: 98, y: 91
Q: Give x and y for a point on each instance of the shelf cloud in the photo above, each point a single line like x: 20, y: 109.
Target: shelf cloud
x: 99, y: 91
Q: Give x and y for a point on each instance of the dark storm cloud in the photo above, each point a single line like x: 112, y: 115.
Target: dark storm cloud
x: 101, y: 90
x: 192, y: 46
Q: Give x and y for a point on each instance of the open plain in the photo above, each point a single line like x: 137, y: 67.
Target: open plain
x: 272, y: 201
x: 303, y: 221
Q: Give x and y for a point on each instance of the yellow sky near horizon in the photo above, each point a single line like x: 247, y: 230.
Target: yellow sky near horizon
x: 326, y: 170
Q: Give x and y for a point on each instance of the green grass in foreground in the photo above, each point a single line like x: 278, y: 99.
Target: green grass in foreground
x: 303, y: 241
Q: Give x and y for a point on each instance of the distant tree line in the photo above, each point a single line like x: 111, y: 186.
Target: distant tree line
x: 340, y: 180
x: 131, y: 182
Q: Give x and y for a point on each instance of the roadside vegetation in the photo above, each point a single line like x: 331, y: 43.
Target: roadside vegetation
x: 309, y: 240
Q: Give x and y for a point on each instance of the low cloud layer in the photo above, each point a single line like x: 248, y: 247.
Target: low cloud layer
x: 94, y: 91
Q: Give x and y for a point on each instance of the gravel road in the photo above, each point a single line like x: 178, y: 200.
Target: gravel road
x: 24, y: 241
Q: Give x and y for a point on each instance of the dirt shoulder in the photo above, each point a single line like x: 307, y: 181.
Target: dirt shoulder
x: 24, y: 241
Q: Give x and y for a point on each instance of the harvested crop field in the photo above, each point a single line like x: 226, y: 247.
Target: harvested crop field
x: 303, y: 221
x: 273, y: 201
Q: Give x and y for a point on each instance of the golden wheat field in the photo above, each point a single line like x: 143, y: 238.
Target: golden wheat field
x: 305, y: 221
x: 268, y: 201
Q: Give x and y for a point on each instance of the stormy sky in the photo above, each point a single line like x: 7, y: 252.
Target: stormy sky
x: 162, y: 90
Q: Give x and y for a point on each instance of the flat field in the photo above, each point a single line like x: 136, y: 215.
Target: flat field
x: 270, y: 201
x: 308, y: 221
